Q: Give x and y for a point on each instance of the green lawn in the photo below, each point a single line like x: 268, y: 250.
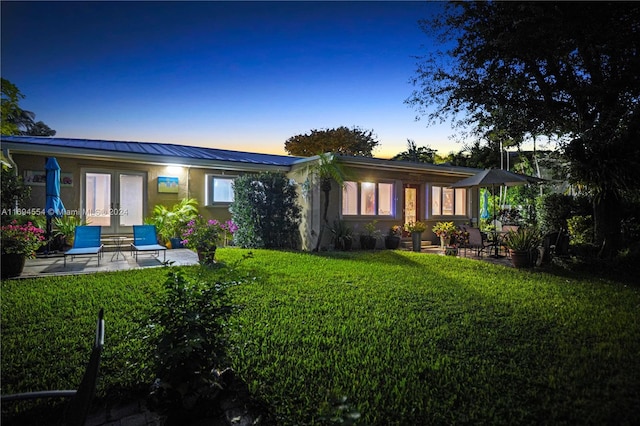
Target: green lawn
x: 407, y: 338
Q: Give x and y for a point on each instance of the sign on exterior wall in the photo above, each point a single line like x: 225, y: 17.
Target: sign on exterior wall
x: 168, y: 185
x: 39, y: 178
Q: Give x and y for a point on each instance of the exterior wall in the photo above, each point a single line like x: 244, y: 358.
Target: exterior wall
x: 423, y: 180
x: 191, y: 183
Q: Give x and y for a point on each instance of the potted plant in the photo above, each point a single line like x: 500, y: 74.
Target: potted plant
x: 342, y: 235
x: 416, y: 229
x: 19, y: 242
x: 446, y: 231
x: 393, y: 237
x: 170, y: 223
x: 66, y: 227
x: 369, y: 238
x: 523, y: 246
x: 204, y: 236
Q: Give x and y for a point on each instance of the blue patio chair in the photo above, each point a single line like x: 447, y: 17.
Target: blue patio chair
x: 145, y: 240
x: 85, y: 243
x: 78, y: 408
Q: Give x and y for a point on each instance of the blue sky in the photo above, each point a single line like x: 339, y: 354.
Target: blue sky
x: 230, y: 75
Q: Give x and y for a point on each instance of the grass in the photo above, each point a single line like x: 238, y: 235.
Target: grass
x: 406, y: 338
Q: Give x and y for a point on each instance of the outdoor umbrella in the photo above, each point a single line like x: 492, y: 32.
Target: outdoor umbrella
x: 54, y: 206
x: 484, y: 212
x: 491, y: 178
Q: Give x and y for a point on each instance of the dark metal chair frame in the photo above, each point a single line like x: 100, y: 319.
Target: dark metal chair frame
x: 81, y: 398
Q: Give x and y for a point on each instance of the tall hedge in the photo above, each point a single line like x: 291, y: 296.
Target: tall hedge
x: 266, y: 211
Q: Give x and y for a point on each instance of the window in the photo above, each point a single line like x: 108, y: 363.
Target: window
x: 367, y: 199
x: 219, y: 190
x: 448, y: 201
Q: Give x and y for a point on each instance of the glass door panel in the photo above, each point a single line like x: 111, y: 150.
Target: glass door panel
x: 114, y: 200
x: 98, y: 199
x: 131, y: 205
x: 410, y: 204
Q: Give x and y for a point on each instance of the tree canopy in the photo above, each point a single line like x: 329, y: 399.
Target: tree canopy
x: 422, y: 154
x: 16, y: 121
x: 342, y: 140
x: 512, y: 71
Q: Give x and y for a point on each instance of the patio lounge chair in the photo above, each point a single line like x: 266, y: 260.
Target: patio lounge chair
x: 78, y: 409
x: 85, y: 243
x: 144, y: 239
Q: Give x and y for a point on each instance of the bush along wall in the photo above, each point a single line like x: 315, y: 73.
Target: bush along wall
x: 266, y: 211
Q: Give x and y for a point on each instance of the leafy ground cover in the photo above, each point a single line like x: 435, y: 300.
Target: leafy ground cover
x: 407, y: 338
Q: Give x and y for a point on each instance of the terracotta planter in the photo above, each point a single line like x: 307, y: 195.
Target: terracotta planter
x: 12, y: 264
x: 392, y: 242
x: 521, y: 258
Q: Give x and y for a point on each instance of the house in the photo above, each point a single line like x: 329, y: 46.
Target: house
x: 116, y: 184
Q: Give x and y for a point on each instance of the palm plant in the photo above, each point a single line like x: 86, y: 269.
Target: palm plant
x: 170, y: 222
x: 323, y: 172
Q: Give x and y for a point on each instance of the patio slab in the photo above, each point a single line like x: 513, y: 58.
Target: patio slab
x: 54, y: 264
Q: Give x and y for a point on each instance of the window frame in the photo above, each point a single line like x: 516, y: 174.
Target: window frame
x: 359, y: 199
x: 454, y: 201
x: 209, y: 189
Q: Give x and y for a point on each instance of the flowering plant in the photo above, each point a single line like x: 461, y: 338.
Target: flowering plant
x: 22, y: 239
x: 444, y: 229
x: 395, y: 231
x: 415, y: 227
x: 205, y: 235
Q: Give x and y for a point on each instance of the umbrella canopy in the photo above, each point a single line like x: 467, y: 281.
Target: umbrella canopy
x: 54, y: 206
x: 493, y: 177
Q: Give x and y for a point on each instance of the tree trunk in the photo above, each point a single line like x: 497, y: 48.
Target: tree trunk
x: 607, y: 218
x: 325, y: 185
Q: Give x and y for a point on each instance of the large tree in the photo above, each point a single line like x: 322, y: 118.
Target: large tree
x: 417, y: 154
x: 341, y: 140
x: 16, y: 121
x: 516, y: 70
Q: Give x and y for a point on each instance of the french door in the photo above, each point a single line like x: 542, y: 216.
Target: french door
x: 114, y: 199
x: 410, y: 211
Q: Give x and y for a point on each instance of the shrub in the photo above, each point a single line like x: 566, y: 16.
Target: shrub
x: 265, y: 211
x: 553, y: 210
x: 580, y: 229
x: 190, y: 346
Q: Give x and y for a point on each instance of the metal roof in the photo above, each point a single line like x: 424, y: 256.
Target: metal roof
x: 160, y: 150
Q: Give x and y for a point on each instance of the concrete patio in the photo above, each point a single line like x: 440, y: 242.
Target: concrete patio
x: 54, y: 264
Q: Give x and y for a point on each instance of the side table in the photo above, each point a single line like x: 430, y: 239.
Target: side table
x: 117, y: 242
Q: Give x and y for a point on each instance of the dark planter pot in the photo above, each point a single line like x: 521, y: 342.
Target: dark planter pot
x: 392, y: 242
x: 367, y: 242
x: 176, y: 243
x: 344, y: 244
x: 12, y: 264
x: 416, y: 239
x: 207, y: 256
x: 451, y: 251
x: 521, y: 258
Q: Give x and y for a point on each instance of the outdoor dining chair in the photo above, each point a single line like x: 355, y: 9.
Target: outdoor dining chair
x: 476, y: 241
x: 145, y: 240
x: 86, y: 242
x: 78, y: 408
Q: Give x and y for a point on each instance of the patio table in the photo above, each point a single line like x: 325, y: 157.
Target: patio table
x: 117, y: 242
x: 497, y: 237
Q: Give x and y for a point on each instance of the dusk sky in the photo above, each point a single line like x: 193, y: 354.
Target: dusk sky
x: 230, y: 75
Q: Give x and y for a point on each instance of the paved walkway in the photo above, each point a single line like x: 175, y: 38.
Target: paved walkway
x: 54, y: 264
